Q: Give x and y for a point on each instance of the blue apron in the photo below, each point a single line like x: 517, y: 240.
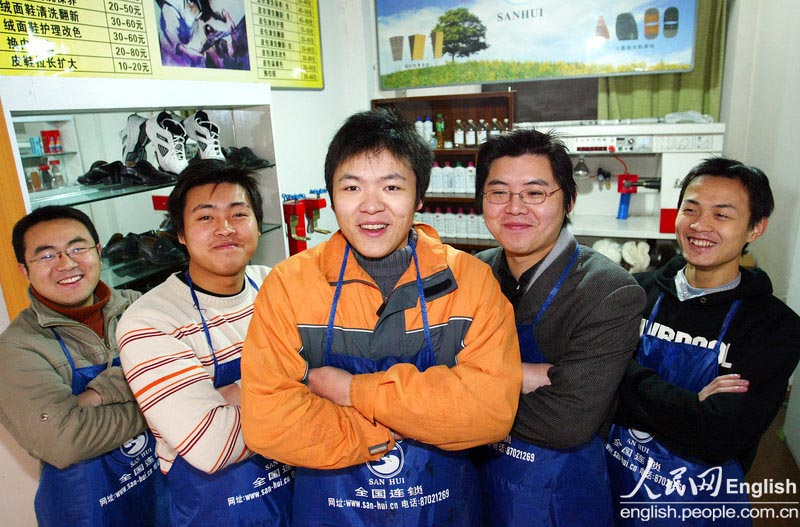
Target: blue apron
x: 253, y: 492
x: 646, y: 477
x: 525, y: 484
x: 123, y: 487
x: 414, y: 484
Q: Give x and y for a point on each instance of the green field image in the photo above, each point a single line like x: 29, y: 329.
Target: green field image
x: 479, y: 72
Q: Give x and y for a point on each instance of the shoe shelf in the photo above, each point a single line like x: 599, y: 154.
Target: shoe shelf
x: 82, y: 194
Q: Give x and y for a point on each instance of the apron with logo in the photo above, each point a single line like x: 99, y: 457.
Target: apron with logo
x: 414, y: 484
x: 123, y: 487
x: 654, y: 485
x: 253, y: 492
x: 525, y: 484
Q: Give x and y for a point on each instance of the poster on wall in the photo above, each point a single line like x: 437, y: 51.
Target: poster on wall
x: 274, y: 41
x: 448, y: 42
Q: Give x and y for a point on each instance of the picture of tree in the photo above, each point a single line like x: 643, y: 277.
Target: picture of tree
x: 464, y: 34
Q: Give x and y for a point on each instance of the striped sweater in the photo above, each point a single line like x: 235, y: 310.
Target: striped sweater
x: 170, y: 368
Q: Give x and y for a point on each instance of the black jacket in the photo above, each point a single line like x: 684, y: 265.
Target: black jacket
x: 762, y: 344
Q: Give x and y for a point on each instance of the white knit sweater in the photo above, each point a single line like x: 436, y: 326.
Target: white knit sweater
x: 170, y: 368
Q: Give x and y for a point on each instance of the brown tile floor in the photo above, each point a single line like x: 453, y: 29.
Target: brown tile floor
x: 774, y: 462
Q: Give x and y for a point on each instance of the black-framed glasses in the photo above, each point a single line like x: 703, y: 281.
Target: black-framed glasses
x: 529, y: 197
x: 74, y: 253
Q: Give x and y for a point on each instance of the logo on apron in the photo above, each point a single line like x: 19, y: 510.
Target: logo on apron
x: 133, y: 447
x: 389, y: 465
x: 639, y: 436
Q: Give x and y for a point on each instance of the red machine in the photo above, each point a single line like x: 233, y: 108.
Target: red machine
x: 294, y: 214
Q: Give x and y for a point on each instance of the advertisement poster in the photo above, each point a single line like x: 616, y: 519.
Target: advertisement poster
x: 448, y: 42
x: 275, y: 41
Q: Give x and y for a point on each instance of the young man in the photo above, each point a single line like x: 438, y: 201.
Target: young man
x: 705, y: 317
x: 63, y: 396
x: 376, y: 358
x: 181, y: 345
x: 577, y: 315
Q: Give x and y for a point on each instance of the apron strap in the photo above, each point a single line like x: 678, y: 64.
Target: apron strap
x: 557, y: 286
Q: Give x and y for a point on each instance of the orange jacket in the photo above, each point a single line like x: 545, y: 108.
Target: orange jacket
x: 469, y: 399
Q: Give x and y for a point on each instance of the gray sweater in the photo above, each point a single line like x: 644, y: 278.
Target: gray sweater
x: 589, y: 333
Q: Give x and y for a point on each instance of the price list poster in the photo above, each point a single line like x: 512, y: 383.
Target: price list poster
x: 273, y: 41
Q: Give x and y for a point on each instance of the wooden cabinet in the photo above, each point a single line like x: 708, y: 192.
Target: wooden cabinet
x: 486, y: 106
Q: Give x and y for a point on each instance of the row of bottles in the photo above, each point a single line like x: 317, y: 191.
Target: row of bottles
x: 48, y: 177
x: 452, y: 179
x: 458, y: 224
x: 470, y: 135
x: 465, y: 134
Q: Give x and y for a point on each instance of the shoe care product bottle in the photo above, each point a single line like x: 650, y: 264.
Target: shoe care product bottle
x: 440, y: 127
x: 470, y: 178
x: 427, y: 130
x: 447, y: 178
x: 495, y: 129
x: 57, y: 174
x: 34, y: 181
x: 459, y: 179
x: 483, y: 131
x: 419, y: 128
x: 461, y: 224
x: 471, y: 135
x: 427, y: 216
x: 47, y: 178
x: 436, y: 179
x: 449, y: 224
x: 458, y: 135
x: 474, y: 222
x: 438, y: 222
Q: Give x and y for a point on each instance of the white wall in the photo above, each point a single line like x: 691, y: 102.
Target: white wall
x: 761, y: 106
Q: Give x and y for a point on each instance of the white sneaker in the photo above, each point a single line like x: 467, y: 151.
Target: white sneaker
x: 134, y: 139
x: 169, y: 138
x: 201, y: 129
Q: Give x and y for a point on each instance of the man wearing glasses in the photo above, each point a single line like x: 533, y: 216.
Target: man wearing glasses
x: 577, y: 316
x: 63, y: 396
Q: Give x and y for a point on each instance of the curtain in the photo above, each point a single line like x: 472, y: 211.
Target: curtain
x: 655, y: 95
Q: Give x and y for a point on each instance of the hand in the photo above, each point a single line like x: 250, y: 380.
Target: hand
x: 731, y: 383
x: 232, y: 394
x: 331, y: 383
x: 534, y: 376
x: 89, y: 397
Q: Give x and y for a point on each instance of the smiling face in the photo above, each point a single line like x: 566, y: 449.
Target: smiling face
x: 220, y: 233
x: 712, y: 228
x: 374, y: 198
x: 68, y: 282
x: 527, y: 233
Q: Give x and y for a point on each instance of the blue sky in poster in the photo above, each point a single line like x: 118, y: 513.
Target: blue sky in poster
x: 560, y: 31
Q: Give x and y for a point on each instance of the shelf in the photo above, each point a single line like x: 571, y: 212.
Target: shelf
x: 470, y: 244
x: 80, y: 194
x: 269, y: 227
x: 133, y: 274
x: 635, y: 227
x: 461, y: 199
x: 40, y: 156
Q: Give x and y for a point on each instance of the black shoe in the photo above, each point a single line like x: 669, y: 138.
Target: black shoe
x: 245, y: 158
x: 160, y: 248
x: 102, y: 172
x: 121, y: 248
x: 144, y: 173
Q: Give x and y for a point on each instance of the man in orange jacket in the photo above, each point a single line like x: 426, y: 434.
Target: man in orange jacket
x: 374, y: 360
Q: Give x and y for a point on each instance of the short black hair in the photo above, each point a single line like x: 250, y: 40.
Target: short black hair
x: 211, y: 172
x: 524, y: 142
x: 47, y: 213
x: 752, y: 179
x: 376, y: 131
